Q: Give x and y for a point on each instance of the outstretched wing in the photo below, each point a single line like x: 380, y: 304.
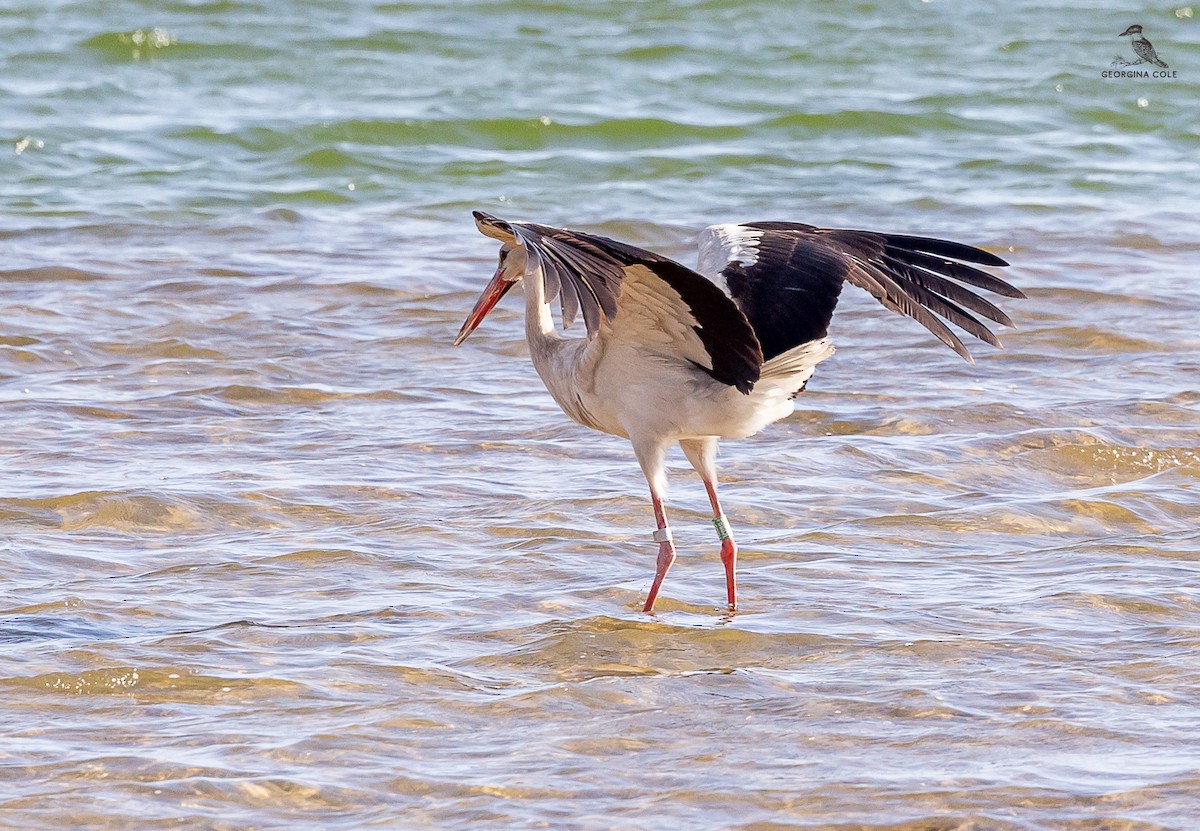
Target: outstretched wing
x: 624, y: 291
x: 786, y: 278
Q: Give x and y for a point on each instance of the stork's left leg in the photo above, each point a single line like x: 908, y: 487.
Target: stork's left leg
x: 702, y: 453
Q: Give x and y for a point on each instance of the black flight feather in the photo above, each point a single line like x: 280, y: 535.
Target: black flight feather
x: 790, y: 289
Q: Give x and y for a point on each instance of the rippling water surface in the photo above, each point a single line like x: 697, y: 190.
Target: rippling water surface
x: 273, y: 555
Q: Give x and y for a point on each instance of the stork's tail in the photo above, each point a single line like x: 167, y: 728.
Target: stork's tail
x: 790, y: 371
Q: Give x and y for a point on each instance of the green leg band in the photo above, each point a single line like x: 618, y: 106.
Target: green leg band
x: 721, y: 523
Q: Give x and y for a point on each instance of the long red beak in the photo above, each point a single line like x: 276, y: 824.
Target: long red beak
x: 490, y: 297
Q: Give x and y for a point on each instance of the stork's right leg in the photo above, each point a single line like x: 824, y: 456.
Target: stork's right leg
x: 666, y: 550
x: 650, y: 457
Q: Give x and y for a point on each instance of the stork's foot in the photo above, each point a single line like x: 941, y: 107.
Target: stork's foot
x: 666, y: 556
x: 729, y: 559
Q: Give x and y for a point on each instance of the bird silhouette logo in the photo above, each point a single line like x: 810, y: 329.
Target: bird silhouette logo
x: 1143, y: 48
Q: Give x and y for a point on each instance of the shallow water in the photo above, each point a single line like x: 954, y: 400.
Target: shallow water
x: 273, y: 555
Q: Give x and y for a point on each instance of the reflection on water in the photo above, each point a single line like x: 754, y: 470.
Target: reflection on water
x: 275, y: 555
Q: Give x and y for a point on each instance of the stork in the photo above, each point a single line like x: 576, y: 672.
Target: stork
x: 674, y: 355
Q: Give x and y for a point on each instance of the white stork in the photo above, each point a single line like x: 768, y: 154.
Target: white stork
x: 691, y: 357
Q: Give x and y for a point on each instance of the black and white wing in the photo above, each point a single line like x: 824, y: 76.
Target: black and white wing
x: 625, y: 292
x: 786, y: 278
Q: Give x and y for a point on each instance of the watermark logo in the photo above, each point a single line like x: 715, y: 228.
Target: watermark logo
x: 1144, y: 56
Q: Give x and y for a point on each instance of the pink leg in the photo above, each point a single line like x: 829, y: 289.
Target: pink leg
x: 666, y: 551
x: 728, y: 546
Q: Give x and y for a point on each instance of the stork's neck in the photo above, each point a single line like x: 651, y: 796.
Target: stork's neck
x: 539, y: 325
x: 555, y: 358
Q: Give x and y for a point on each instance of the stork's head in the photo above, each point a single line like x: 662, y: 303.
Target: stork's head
x: 510, y: 269
x: 1135, y: 29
